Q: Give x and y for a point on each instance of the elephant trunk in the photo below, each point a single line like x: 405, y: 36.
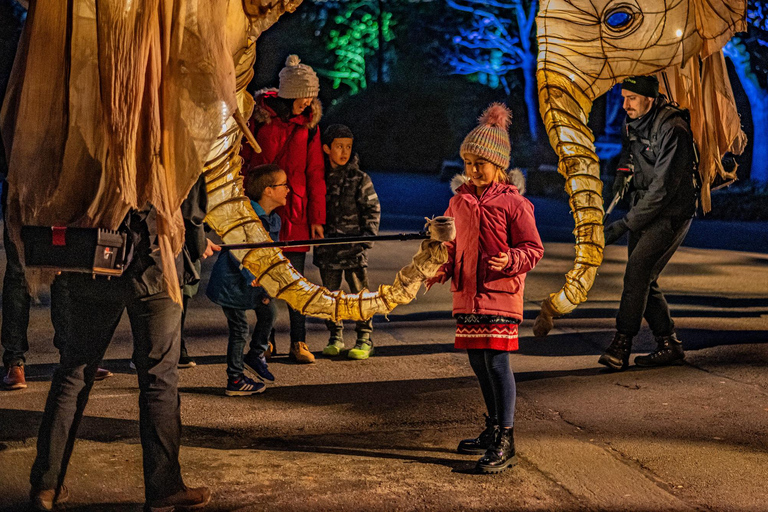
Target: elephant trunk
x: 231, y: 216
x: 565, y: 111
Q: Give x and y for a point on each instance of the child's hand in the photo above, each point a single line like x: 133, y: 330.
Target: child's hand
x: 436, y: 279
x: 317, y: 231
x: 210, y: 249
x: 500, y: 262
x: 255, y: 283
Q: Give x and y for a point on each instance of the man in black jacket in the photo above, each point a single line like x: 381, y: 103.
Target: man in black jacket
x: 661, y: 157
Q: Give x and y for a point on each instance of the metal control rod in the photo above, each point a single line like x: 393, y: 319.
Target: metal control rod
x: 401, y: 237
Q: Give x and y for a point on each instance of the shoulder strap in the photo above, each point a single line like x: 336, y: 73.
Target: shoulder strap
x: 287, y: 143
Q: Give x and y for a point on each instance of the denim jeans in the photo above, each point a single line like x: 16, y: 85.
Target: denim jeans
x: 93, y: 311
x: 238, y: 332
x: 357, y: 279
x: 298, y: 321
x: 649, y: 252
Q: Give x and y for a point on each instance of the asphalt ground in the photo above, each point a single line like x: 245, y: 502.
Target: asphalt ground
x: 381, y: 434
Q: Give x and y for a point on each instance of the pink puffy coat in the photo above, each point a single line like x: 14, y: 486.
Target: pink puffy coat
x: 501, y: 220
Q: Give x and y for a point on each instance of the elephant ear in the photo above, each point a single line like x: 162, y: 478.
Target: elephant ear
x: 264, y: 13
x: 717, y: 22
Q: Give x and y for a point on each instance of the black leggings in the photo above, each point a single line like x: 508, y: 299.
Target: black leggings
x: 497, y: 383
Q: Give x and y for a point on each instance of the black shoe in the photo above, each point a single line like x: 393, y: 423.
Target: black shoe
x: 616, y: 356
x: 481, y: 443
x: 501, y: 455
x: 670, y: 351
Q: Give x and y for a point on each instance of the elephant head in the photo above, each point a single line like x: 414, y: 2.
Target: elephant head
x: 585, y: 48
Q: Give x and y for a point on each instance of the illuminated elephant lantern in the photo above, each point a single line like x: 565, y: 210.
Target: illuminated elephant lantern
x: 113, y: 104
x: 585, y: 48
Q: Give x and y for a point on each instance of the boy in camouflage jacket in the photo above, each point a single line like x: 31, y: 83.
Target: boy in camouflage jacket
x: 352, y: 209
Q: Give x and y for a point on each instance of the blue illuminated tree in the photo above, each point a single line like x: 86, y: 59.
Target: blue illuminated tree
x: 498, y: 39
x: 749, y: 54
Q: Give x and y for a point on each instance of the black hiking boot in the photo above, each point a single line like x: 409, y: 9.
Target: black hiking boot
x: 481, y: 443
x: 670, y: 351
x: 501, y: 455
x: 616, y: 356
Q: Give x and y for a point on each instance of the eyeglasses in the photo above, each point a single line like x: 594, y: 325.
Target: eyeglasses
x: 286, y: 185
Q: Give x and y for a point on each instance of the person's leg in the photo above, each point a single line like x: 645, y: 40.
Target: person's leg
x: 299, y: 351
x: 84, y: 344
x: 16, y: 302
x: 187, y: 292
x: 255, y: 360
x: 297, y: 320
x: 502, y: 382
x: 501, y: 453
x: 237, y: 322
x: 357, y: 279
x: 480, y: 367
x: 671, y: 235
x: 652, y: 251
x: 156, y: 326
x: 331, y: 279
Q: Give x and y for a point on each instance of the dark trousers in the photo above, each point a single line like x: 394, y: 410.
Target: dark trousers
x: 357, y: 279
x: 16, y: 304
x: 93, y: 311
x: 497, y: 382
x: 649, y: 252
x: 297, y: 320
x: 238, y: 333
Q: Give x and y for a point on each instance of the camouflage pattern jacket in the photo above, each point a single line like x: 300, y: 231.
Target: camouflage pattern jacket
x: 352, y: 209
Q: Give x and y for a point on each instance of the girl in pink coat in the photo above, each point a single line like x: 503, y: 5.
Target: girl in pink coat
x: 496, y: 244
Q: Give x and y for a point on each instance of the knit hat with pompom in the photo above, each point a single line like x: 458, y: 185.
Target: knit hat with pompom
x: 297, y: 80
x: 490, y: 139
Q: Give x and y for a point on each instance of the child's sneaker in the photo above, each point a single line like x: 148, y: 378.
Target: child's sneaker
x: 363, y: 350
x: 257, y: 363
x: 243, y: 386
x: 334, y: 347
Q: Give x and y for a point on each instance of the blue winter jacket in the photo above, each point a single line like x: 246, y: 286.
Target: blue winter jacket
x: 230, y: 283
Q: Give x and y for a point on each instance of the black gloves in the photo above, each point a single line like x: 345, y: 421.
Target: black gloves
x: 614, y: 231
x: 621, y: 182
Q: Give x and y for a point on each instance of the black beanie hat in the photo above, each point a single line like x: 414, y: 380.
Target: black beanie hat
x: 643, y: 85
x: 336, y: 131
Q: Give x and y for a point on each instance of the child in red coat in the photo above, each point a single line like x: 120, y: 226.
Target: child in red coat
x: 496, y: 244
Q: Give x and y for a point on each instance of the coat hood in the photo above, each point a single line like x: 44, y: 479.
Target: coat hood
x: 263, y: 113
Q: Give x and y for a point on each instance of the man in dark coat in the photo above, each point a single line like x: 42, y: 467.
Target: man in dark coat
x: 659, y: 148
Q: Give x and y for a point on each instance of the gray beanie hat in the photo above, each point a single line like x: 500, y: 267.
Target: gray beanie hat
x: 297, y: 80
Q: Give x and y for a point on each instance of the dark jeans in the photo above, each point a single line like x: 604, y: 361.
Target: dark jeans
x: 649, y: 252
x: 93, y: 311
x: 16, y: 303
x: 238, y: 332
x: 497, y: 382
x: 298, y: 321
x: 357, y: 279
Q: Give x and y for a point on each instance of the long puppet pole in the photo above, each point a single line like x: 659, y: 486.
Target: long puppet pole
x: 401, y: 237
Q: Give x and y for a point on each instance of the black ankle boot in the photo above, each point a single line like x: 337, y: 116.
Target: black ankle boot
x: 481, y: 443
x: 616, y: 356
x: 670, y: 351
x: 501, y: 454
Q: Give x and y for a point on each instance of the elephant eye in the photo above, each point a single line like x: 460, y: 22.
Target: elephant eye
x: 618, y: 20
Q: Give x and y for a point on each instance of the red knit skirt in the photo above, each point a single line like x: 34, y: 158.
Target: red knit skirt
x: 492, y: 332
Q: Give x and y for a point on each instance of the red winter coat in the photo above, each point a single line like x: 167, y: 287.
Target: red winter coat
x: 302, y: 161
x: 501, y: 220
